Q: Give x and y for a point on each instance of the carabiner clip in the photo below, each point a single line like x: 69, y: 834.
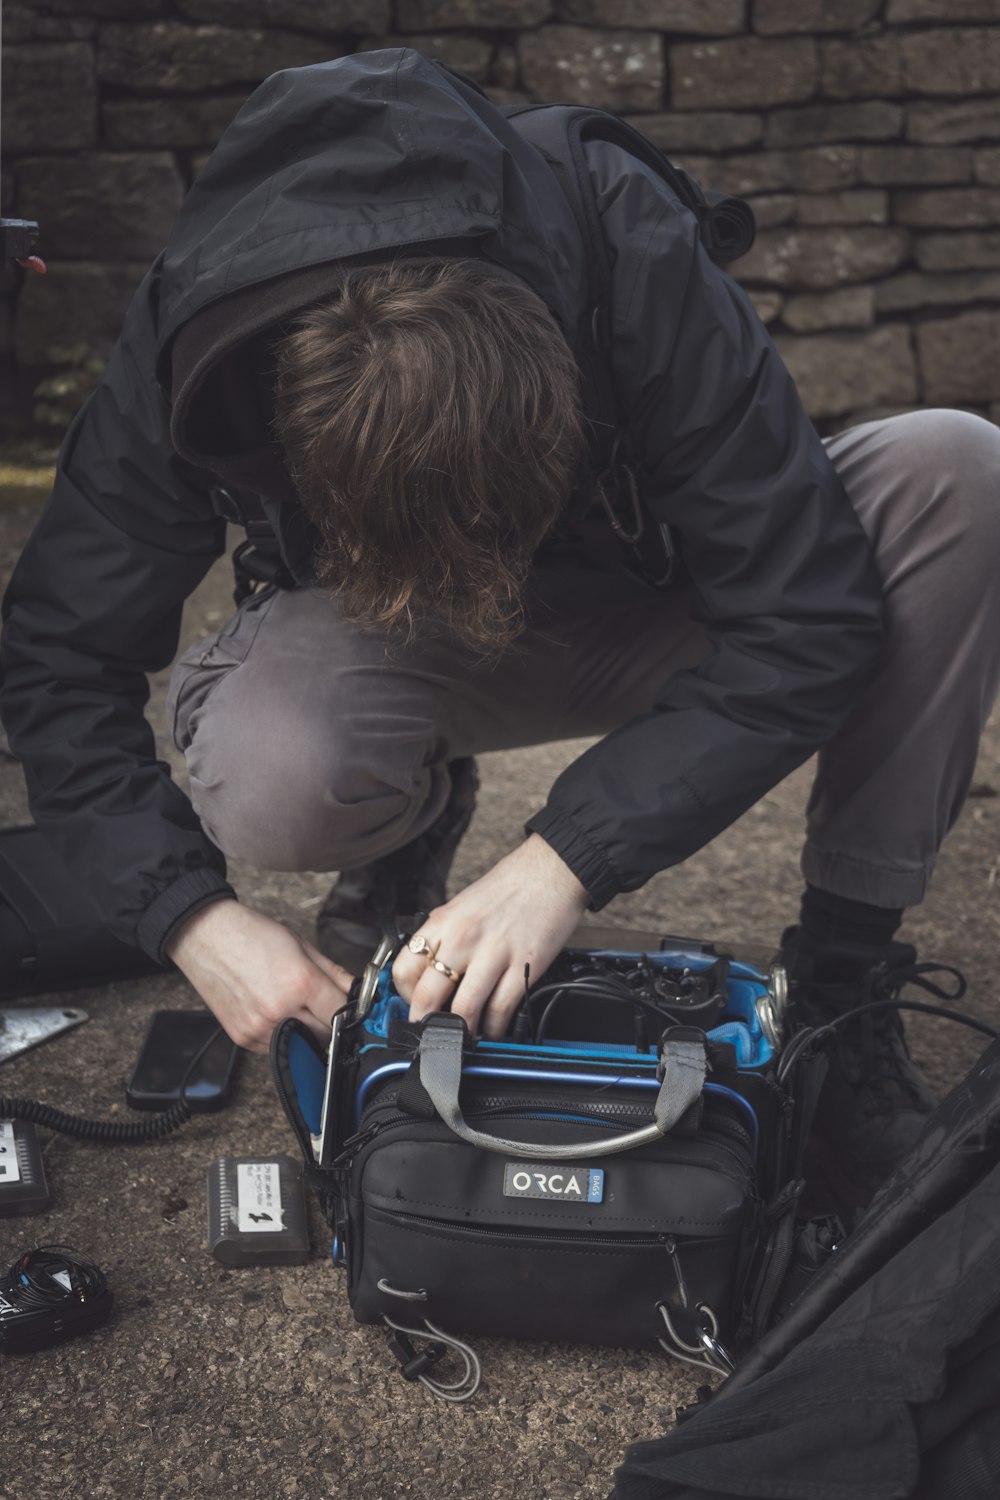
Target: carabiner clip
x: 709, y: 1353
x: 631, y: 529
x: 384, y: 954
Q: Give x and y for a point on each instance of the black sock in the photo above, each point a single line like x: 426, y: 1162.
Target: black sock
x: 833, y: 921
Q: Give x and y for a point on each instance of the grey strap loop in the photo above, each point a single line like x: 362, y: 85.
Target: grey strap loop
x: 683, y: 1065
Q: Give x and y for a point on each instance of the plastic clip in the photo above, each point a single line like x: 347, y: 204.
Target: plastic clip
x: 415, y: 1364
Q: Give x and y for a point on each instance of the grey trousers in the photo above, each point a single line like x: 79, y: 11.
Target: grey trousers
x: 310, y: 748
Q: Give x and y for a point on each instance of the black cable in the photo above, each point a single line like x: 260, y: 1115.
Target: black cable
x: 109, y: 1132
x: 661, y: 992
x: 603, y: 987
x: 24, y: 1286
x: 804, y: 1039
x: 599, y: 991
x: 105, y: 1132
x: 593, y: 983
x: 522, y: 1020
x: 925, y: 1009
x: 797, y: 1046
x: 597, y: 981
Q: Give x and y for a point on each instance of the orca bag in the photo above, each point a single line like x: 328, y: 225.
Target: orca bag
x: 579, y: 1187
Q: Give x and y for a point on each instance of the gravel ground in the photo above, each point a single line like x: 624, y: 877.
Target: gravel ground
x: 257, y: 1382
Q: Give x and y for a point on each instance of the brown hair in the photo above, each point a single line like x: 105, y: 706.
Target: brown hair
x: 430, y: 414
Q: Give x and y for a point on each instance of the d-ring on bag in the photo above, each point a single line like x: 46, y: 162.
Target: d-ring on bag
x: 613, y: 1172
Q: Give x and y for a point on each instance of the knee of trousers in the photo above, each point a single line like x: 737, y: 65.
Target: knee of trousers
x: 949, y: 462
x: 299, y: 801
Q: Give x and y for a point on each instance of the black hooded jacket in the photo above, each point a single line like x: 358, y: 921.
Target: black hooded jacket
x: 374, y: 155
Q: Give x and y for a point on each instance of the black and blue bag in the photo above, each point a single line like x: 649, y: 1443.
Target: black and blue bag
x: 618, y: 1170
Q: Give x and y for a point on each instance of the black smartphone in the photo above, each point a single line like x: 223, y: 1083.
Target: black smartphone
x: 186, y: 1047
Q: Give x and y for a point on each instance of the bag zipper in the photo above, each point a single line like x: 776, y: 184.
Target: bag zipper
x: 620, y: 1114
x: 533, y: 1111
x: 647, y: 1241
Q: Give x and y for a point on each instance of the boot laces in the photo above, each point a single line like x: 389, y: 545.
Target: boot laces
x: 872, y: 1047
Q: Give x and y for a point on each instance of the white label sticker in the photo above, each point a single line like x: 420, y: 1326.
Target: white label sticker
x: 258, y: 1197
x: 9, y: 1169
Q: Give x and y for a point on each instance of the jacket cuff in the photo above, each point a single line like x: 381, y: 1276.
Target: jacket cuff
x: 195, y: 889
x: 590, y: 865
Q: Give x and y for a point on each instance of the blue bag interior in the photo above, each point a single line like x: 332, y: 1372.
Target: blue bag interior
x: 740, y: 1026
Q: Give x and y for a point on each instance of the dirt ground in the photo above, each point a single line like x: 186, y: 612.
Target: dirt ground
x: 257, y: 1382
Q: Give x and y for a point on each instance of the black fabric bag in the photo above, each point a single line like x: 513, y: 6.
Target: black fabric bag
x: 51, y: 938
x: 883, y: 1379
x: 575, y: 1186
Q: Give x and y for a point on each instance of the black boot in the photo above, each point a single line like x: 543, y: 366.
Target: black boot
x: 366, y: 903
x: 874, y: 1102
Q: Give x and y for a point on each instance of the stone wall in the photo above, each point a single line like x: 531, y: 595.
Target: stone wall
x: 865, y: 132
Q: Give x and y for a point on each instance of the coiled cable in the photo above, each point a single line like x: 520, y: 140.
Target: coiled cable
x: 42, y: 1277
x: 109, y: 1132
x: 103, y: 1132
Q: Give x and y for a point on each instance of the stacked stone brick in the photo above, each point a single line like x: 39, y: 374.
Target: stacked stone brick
x: 866, y: 133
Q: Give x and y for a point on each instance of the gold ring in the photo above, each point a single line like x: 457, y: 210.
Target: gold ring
x: 443, y: 968
x: 419, y: 944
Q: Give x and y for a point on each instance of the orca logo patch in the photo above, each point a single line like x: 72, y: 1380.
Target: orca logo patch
x: 568, y: 1184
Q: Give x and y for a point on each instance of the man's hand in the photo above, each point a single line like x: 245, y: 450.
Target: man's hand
x: 522, y: 912
x: 252, y: 973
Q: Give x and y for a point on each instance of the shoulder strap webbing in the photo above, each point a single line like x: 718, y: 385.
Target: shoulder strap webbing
x: 726, y: 224
x: 548, y: 127
x: 258, y: 560
x: 726, y: 227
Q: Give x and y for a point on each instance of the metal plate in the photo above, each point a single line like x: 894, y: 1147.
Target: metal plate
x: 28, y: 1025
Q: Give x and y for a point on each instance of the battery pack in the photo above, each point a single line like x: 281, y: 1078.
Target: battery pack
x: 257, y: 1211
x: 23, y: 1188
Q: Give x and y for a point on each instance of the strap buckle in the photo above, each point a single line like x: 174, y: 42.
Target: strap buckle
x: 255, y: 569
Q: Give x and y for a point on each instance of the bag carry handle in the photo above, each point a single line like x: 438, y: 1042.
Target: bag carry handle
x: 683, y: 1065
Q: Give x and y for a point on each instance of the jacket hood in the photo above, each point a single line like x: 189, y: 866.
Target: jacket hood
x: 368, y: 153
